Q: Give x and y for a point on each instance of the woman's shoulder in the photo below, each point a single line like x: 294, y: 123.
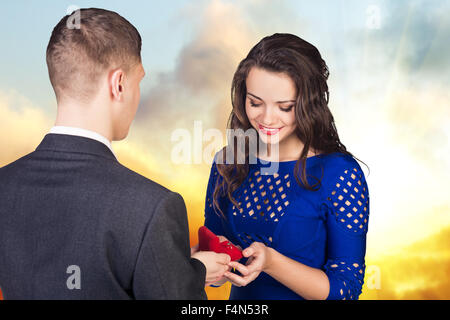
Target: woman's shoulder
x: 343, y: 172
x: 340, y: 167
x: 338, y: 161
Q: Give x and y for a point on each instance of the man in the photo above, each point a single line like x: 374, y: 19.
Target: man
x: 74, y: 222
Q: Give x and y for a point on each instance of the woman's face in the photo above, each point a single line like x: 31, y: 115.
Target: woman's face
x: 269, y: 104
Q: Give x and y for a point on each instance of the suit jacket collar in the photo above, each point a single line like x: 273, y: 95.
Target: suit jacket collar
x: 77, y: 144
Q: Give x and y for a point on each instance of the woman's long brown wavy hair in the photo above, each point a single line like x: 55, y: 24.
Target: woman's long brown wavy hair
x: 302, y: 62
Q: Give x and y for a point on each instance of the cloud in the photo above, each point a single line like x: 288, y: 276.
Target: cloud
x: 420, y: 122
x: 410, y: 48
x: 424, y: 32
x: 412, y: 37
x: 23, y: 125
x: 197, y: 89
x: 204, y: 67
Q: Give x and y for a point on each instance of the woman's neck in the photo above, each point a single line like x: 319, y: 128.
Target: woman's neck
x: 287, y: 150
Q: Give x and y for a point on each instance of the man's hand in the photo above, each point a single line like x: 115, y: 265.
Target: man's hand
x: 219, y: 280
x: 216, y: 264
x: 194, y: 249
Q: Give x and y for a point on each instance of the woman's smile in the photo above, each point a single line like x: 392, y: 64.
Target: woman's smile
x: 269, y: 131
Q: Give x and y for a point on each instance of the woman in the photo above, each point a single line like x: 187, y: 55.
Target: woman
x: 303, y: 228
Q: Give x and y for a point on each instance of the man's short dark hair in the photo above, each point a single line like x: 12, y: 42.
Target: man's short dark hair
x: 77, y: 55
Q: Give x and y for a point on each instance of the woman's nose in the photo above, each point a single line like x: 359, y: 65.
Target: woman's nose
x: 267, y: 117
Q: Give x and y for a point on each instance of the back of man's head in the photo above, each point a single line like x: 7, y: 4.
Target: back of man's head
x: 79, y: 54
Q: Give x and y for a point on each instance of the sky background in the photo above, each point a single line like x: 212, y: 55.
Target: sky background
x: 389, y: 94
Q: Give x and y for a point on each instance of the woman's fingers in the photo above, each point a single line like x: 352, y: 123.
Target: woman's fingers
x: 235, y: 279
x: 241, y: 281
x: 240, y: 267
x: 251, y: 270
x: 248, y: 252
x: 255, y: 264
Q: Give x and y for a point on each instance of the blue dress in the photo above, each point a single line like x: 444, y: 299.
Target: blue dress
x: 323, y: 229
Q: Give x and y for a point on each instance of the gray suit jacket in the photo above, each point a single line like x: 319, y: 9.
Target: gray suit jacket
x: 76, y: 224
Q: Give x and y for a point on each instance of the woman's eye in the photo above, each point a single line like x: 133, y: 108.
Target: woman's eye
x: 288, y: 108
x: 254, y: 104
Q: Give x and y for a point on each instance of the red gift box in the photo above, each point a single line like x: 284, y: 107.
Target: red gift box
x: 208, y: 241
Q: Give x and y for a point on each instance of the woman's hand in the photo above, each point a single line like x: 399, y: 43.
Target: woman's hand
x: 259, y: 260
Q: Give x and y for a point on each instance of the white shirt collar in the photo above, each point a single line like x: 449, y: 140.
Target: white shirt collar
x: 73, y: 131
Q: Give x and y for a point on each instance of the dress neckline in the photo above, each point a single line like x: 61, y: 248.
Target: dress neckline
x: 309, y: 161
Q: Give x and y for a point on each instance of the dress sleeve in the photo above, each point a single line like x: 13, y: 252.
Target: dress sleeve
x: 212, y: 215
x: 347, y: 203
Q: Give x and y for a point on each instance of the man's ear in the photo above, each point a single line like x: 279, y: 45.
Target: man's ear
x: 116, y: 80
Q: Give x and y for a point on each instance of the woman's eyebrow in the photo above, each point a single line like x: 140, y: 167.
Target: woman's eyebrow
x: 255, y: 96
x: 285, y: 101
